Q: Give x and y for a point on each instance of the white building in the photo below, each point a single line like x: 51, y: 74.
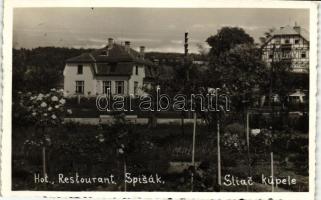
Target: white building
x: 115, y: 66
x: 288, y: 44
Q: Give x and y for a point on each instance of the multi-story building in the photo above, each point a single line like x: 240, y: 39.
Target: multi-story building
x: 116, y: 67
x: 288, y: 44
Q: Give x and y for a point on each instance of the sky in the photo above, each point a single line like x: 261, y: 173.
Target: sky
x: 159, y: 29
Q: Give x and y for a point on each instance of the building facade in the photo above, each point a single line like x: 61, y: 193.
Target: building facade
x: 116, y: 67
x: 288, y: 44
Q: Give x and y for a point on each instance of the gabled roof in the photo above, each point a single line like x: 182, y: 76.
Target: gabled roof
x: 85, y: 57
x: 305, y: 34
x: 120, y: 69
x: 115, y: 60
x: 117, y: 53
x: 289, y: 30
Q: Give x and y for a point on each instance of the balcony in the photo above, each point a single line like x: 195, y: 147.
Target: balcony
x: 286, y: 46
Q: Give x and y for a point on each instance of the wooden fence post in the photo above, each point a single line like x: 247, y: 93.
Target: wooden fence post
x: 193, y: 150
x: 218, y: 155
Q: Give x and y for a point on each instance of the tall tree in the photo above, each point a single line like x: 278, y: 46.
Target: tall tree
x: 226, y: 39
x: 236, y: 68
x: 235, y: 65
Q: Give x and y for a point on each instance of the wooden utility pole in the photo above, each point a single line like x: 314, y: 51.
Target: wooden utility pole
x: 186, y: 66
x: 186, y: 55
x: 186, y: 70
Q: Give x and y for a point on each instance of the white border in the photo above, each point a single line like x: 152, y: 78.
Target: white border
x: 7, y: 78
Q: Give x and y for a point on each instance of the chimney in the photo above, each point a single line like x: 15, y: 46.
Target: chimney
x: 142, y: 51
x: 297, y: 28
x: 110, y: 43
x: 127, y: 45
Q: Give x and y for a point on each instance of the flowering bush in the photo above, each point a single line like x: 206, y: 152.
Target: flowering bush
x: 232, y: 138
x: 41, y: 109
x: 232, y: 142
x: 262, y: 141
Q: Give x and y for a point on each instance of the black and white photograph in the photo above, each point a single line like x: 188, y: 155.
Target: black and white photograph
x: 156, y: 99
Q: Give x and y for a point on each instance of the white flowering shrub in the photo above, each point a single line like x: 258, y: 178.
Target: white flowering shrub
x: 41, y: 109
x: 232, y: 142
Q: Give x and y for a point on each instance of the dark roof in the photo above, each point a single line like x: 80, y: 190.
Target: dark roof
x: 85, y: 57
x: 116, y: 60
x: 117, y: 53
x: 120, y: 68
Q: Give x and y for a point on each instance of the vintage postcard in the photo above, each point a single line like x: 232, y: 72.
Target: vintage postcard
x: 141, y: 99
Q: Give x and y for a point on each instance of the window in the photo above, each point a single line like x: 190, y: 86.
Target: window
x: 271, y: 56
x: 80, y: 87
x: 135, y: 87
x: 287, y: 41
x: 80, y: 69
x: 106, y: 85
x: 303, y: 55
x: 277, y: 41
x: 136, y: 68
x: 119, y: 87
x: 296, y: 41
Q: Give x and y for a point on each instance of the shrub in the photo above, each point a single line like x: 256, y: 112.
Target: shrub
x: 42, y: 109
x: 235, y: 129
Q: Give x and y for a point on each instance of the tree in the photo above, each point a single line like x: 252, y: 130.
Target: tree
x: 44, y: 111
x: 40, y: 69
x: 236, y: 68
x: 267, y: 35
x: 226, y: 39
x: 235, y: 65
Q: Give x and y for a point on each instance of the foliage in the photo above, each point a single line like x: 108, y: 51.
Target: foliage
x: 41, y: 68
x: 234, y: 128
x: 227, y: 38
x: 232, y: 142
x: 261, y: 142
x: 45, y: 111
x: 41, y: 109
x: 81, y: 148
x: 252, y: 74
x: 267, y: 35
x: 131, y: 146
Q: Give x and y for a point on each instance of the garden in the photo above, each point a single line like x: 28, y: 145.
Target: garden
x: 44, y: 144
